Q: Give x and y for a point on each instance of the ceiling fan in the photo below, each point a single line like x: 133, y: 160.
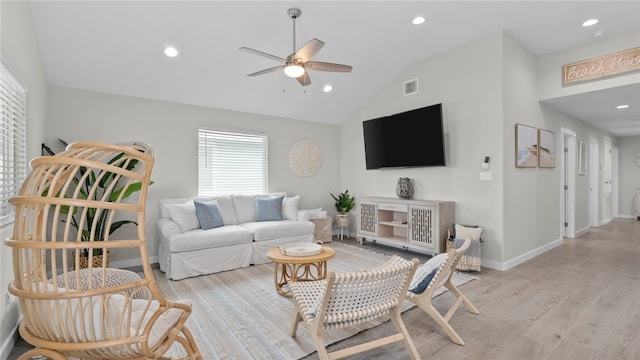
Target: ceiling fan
x: 297, y: 64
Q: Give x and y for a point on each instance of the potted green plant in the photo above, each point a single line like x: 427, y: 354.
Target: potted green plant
x: 344, y: 204
x: 92, y: 214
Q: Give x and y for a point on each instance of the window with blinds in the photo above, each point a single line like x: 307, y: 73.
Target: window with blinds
x: 231, y: 162
x: 13, y: 162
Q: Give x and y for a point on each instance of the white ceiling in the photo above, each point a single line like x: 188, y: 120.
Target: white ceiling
x: 117, y: 47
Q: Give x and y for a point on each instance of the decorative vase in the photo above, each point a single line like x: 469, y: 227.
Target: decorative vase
x: 404, y: 190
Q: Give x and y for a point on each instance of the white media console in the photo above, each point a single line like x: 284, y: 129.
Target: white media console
x: 418, y: 225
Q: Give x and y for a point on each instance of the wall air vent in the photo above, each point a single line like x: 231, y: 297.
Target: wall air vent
x: 410, y: 87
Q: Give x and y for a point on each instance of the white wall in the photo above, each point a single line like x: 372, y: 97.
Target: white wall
x: 20, y: 54
x: 171, y: 129
x: 463, y: 80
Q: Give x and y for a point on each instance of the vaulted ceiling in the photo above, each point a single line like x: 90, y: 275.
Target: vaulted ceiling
x: 117, y: 47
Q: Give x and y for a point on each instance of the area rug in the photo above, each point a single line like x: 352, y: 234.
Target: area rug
x: 239, y: 315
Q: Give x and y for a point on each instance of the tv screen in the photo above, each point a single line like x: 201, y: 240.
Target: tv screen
x: 408, y: 139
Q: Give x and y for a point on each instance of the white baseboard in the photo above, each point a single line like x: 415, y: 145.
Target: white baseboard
x: 122, y: 264
x: 583, y: 231
x: 604, y: 222
x: 626, y: 216
x: 522, y: 258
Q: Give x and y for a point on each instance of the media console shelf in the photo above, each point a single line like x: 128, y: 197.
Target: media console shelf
x: 418, y: 225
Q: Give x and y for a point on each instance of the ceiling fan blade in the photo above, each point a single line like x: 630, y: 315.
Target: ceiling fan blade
x: 325, y: 66
x: 263, y: 54
x: 266, y: 71
x: 309, y: 50
x: 304, y: 79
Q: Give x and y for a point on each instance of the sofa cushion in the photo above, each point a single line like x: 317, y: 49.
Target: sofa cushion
x: 184, y: 215
x: 270, y: 230
x: 228, y: 212
x: 245, y: 206
x: 290, y: 208
x: 204, y: 239
x: 269, y: 209
x: 208, y: 214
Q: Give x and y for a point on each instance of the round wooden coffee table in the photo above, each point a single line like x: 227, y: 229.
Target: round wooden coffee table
x: 298, y: 268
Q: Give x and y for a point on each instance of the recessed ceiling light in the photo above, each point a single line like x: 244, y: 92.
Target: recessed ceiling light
x: 622, y: 106
x: 170, y: 51
x: 327, y: 88
x: 590, y: 22
x: 418, y: 20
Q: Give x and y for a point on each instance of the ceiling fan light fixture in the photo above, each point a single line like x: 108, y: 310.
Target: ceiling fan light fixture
x: 294, y: 70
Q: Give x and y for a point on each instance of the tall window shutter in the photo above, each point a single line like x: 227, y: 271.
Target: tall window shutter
x: 13, y: 162
x: 231, y: 162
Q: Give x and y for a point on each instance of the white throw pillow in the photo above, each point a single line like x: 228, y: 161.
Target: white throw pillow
x: 463, y: 232
x: 310, y: 214
x: 184, y: 215
x: 425, y: 270
x: 290, y: 207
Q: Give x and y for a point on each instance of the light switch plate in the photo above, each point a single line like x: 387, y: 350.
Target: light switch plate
x: 486, y: 175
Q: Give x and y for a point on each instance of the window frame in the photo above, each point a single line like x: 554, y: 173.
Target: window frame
x: 233, y: 187
x: 13, y: 133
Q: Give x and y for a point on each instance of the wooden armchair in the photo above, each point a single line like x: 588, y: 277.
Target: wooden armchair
x: 67, y: 208
x: 442, y: 277
x: 347, y: 299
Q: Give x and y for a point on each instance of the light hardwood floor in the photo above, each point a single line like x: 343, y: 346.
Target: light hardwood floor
x: 578, y: 301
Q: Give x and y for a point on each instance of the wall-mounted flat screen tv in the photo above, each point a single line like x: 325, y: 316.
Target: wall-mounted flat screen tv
x: 409, y: 139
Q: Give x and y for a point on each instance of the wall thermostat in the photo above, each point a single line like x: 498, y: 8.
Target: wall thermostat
x: 485, y: 163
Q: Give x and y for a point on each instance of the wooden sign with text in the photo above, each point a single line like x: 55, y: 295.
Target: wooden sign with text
x: 603, y: 66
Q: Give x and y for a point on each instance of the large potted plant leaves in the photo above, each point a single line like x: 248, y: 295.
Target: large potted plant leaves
x: 344, y: 203
x: 87, y: 180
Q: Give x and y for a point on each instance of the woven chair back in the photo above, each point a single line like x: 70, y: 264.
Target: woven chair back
x: 67, y: 211
x: 357, y: 297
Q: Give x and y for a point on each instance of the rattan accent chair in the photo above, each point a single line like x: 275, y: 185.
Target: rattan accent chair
x: 347, y: 299
x: 443, y: 278
x: 97, y: 312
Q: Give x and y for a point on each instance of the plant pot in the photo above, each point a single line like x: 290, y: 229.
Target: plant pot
x: 342, y: 220
x: 95, y: 259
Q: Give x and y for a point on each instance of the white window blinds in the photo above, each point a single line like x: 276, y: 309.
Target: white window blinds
x: 231, y: 162
x: 13, y: 162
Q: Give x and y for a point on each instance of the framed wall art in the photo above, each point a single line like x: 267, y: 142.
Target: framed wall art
x: 582, y: 158
x: 526, y: 146
x: 546, y: 149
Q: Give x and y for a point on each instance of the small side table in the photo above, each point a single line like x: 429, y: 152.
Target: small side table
x: 298, y: 268
x: 322, y: 232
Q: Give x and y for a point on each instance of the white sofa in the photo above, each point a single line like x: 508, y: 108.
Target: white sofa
x: 243, y: 239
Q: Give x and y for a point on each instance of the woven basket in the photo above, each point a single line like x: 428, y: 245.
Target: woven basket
x: 96, y: 260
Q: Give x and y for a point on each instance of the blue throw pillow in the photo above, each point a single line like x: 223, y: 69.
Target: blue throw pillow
x: 208, y: 214
x: 269, y: 208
